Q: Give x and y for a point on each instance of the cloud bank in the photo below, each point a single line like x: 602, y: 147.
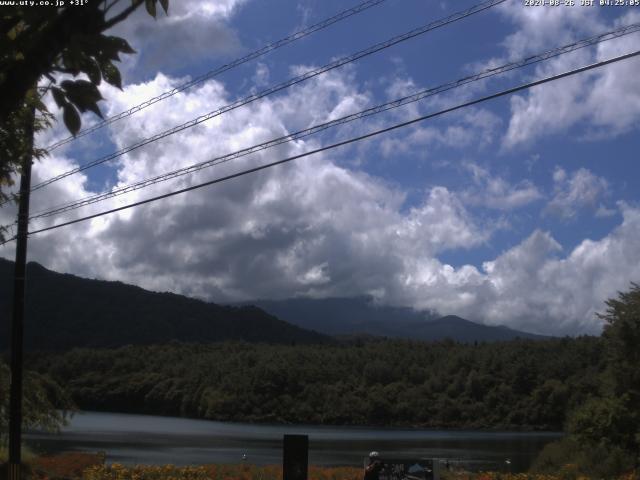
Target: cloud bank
x: 322, y: 227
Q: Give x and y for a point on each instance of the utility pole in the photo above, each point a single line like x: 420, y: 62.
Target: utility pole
x: 17, y: 318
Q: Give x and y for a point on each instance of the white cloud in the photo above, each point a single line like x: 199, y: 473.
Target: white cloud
x: 323, y: 98
x: 315, y: 228
x: 604, y: 212
x: 474, y: 127
x: 439, y: 224
x: 493, y: 191
x: 533, y: 286
x: 573, y: 193
x: 601, y: 103
x: 574, y: 287
x: 538, y: 27
x: 278, y: 233
x: 194, y: 30
x: 261, y: 77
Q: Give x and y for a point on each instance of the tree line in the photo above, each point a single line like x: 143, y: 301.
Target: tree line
x: 587, y: 386
x: 520, y: 384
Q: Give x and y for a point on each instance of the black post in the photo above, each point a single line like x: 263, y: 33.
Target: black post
x: 17, y: 319
x: 295, y: 457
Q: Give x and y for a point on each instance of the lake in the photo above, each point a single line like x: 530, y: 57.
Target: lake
x: 146, y: 439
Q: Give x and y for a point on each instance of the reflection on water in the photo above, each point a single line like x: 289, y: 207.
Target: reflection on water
x: 145, y: 439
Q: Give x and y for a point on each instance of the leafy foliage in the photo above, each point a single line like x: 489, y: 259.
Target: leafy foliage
x: 44, y: 42
x: 16, y: 146
x: 55, y: 43
x: 604, y: 431
x: 46, y: 405
x: 377, y: 382
x: 573, y: 460
x: 622, y: 337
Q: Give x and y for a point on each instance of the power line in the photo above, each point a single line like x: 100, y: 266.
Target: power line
x: 281, y: 86
x: 617, y: 33
x: 213, y: 73
x: 345, y: 142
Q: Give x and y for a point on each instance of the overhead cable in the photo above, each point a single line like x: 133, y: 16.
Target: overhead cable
x: 281, y: 86
x: 213, y: 73
x: 594, y: 40
x: 342, y: 143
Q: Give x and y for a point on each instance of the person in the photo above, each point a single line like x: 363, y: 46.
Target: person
x: 372, y: 470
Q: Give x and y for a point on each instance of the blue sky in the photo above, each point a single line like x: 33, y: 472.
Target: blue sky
x: 522, y: 211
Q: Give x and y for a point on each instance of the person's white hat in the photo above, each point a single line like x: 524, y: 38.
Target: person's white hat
x: 374, y: 455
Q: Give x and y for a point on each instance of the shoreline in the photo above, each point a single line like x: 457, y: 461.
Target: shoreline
x: 142, y: 439
x: 387, y: 427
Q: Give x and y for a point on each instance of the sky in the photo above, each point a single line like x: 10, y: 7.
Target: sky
x: 523, y: 211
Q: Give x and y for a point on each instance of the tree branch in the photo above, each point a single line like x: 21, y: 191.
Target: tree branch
x: 110, y: 6
x: 63, y: 70
x: 122, y: 15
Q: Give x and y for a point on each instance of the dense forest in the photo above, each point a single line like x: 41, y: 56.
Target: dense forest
x: 519, y: 384
x: 587, y: 386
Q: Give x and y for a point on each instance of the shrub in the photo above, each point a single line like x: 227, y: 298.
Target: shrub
x: 570, y: 460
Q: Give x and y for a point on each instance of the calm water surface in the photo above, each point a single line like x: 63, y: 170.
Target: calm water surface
x: 145, y: 439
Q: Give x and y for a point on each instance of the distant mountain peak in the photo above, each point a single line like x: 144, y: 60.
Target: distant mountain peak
x: 361, y: 316
x: 452, y: 319
x: 65, y: 311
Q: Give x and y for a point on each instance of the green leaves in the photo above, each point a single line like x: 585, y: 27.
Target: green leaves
x: 109, y: 48
x: 83, y: 94
x: 71, y: 118
x: 58, y: 96
x: 71, y: 59
x: 92, y: 69
x: 111, y: 75
x: 43, y: 400
x: 53, y: 44
x: 76, y: 95
x: 150, y: 5
x: 92, y: 55
x: 120, y: 44
x: 88, y: 52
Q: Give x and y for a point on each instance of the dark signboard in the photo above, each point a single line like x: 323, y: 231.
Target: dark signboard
x: 295, y: 457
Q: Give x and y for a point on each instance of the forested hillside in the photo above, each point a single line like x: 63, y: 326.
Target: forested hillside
x: 519, y: 384
x: 64, y: 311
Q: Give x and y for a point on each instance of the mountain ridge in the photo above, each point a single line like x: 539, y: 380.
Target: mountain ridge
x: 361, y: 316
x: 64, y: 311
